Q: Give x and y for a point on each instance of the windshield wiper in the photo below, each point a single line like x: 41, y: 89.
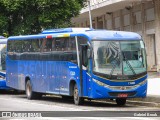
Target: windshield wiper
x: 128, y: 63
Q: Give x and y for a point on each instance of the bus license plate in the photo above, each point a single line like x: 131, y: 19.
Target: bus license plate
x: 122, y: 95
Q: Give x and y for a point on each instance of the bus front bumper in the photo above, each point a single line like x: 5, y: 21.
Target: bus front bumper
x: 101, y: 92
x: 3, y: 84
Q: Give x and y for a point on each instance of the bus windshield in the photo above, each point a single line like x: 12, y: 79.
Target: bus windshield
x: 119, y: 57
x: 2, y: 56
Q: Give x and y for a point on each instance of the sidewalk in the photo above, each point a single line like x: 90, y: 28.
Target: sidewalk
x: 153, y: 84
x: 153, y: 92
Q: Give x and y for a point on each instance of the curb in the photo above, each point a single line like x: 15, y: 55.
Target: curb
x: 151, y: 101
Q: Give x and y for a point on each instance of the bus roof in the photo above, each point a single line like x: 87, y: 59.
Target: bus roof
x: 2, y: 37
x: 65, y: 30
x: 3, y: 41
x: 113, y: 35
x: 87, y: 32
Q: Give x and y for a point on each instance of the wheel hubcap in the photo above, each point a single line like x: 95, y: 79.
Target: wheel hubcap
x: 28, y: 90
x: 76, y: 94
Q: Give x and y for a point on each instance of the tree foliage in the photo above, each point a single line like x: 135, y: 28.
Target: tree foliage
x: 31, y: 16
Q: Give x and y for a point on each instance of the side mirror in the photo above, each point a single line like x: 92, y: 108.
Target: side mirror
x: 84, y: 54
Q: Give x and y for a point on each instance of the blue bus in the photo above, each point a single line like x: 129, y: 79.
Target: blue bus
x: 3, y: 48
x: 79, y: 62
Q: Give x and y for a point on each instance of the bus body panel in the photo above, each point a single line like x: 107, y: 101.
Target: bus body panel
x: 102, y: 93
x: 12, y: 73
x: 51, y: 76
x: 43, y: 75
x: 3, y: 84
x: 119, y: 83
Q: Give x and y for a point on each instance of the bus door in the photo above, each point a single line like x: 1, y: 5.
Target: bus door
x: 84, y: 70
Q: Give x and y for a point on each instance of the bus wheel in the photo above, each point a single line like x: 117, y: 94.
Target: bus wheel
x: 30, y: 94
x: 121, y: 101
x: 77, y: 100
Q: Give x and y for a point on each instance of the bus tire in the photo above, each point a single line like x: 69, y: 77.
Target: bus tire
x: 121, y: 101
x: 29, y: 92
x: 77, y: 100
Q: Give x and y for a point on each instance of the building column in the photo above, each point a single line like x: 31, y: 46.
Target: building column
x: 121, y: 20
x: 86, y: 23
x: 143, y: 22
x: 104, y: 21
x: 96, y: 22
x: 113, y: 21
x: 131, y: 19
x: 157, y: 32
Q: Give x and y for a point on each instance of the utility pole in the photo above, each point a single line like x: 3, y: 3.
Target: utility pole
x: 90, y: 17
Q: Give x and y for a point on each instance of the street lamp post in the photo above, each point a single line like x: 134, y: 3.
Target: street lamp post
x: 90, y: 17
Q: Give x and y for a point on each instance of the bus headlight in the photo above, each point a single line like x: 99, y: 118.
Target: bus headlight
x: 99, y: 83
x: 119, y: 87
x: 143, y: 82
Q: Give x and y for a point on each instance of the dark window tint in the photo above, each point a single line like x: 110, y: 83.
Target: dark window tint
x: 3, y: 56
x: 63, y: 49
x: 26, y: 44
x: 81, y: 40
x: 36, y: 45
x: 56, y: 49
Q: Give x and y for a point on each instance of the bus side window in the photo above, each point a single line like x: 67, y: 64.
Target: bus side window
x: 64, y: 56
x: 3, y: 57
x: 18, y: 46
x: 82, y: 40
x: 26, y: 46
x: 72, y: 44
x: 57, y: 44
x: 31, y: 46
x: 35, y: 45
x: 10, y: 46
x: 72, y: 49
x: 62, y: 44
x: 53, y: 45
x: 10, y: 49
x: 43, y: 46
x: 48, y: 45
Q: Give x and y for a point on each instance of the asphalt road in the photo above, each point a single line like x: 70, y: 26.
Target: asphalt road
x: 55, y: 106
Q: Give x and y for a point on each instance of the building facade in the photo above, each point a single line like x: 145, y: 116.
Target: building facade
x: 141, y: 16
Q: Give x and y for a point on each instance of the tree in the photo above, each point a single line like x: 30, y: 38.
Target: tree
x: 32, y: 16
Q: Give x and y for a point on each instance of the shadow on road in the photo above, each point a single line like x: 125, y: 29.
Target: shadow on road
x: 87, y: 103
x: 50, y: 99
x: 11, y: 92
